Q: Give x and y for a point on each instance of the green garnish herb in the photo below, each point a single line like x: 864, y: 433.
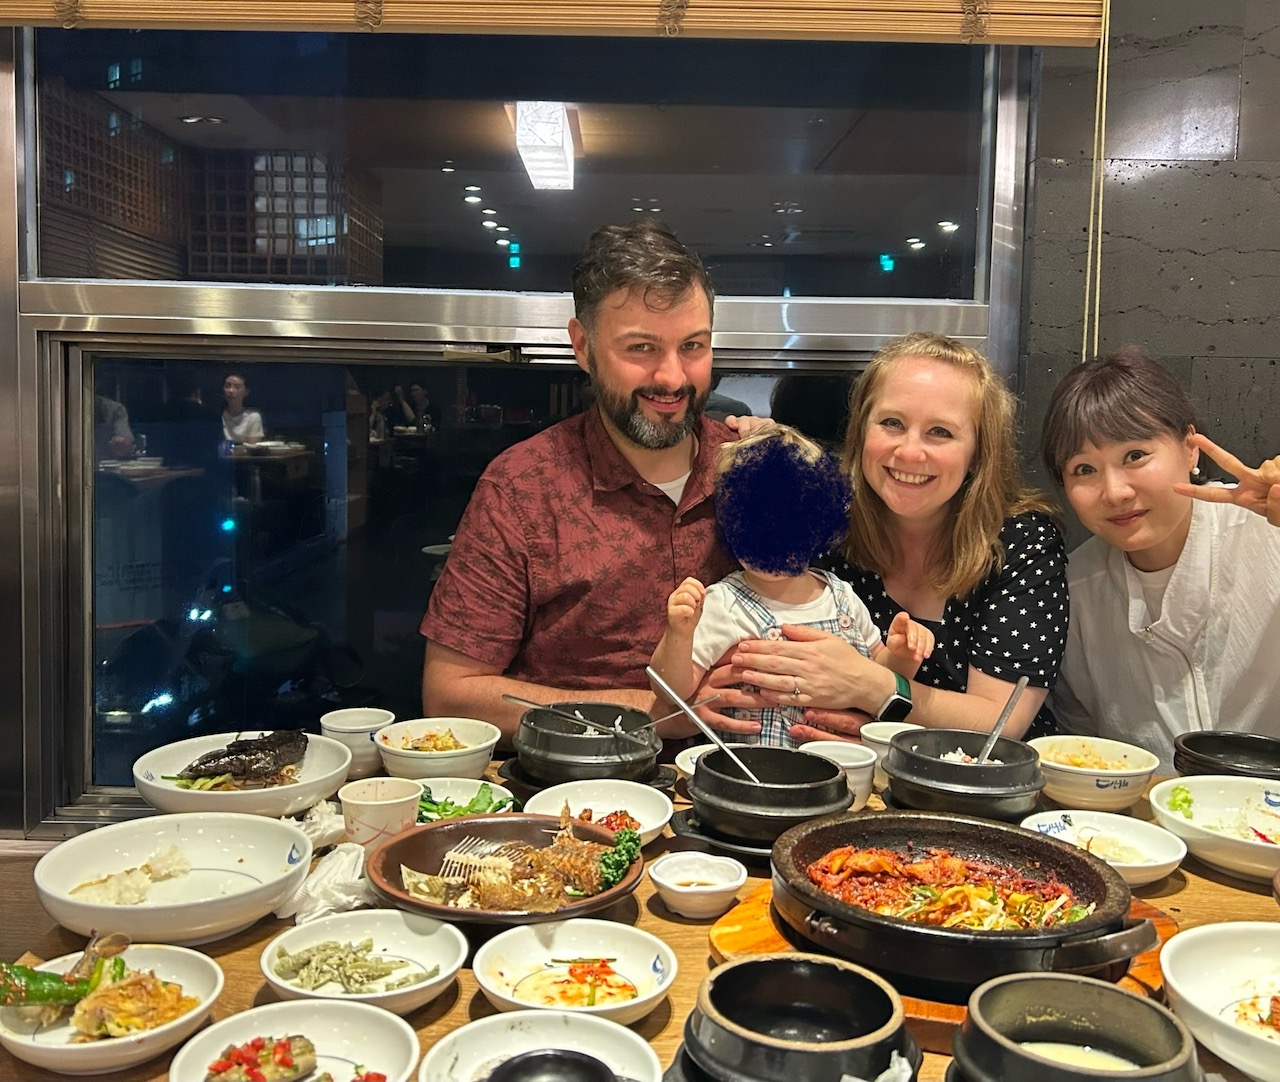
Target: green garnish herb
x: 614, y: 864
x: 1180, y: 800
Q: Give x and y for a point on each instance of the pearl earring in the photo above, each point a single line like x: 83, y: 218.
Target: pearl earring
x: 1195, y: 471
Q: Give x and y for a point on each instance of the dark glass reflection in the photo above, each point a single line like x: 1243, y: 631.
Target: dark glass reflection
x: 795, y: 168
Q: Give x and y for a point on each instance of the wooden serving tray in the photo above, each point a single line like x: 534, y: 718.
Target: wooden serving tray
x: 750, y: 928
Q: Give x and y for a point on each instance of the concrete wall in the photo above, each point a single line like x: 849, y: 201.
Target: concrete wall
x: 1191, y: 211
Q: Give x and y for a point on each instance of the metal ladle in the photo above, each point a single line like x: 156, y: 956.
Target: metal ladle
x: 608, y: 730
x: 1002, y: 720
x: 707, y: 731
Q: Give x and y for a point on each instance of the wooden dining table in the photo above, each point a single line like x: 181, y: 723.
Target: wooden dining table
x: 1192, y: 895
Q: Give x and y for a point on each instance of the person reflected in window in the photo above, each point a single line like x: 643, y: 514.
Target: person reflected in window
x: 186, y: 432
x: 112, y: 436
x: 239, y: 425
x: 413, y: 408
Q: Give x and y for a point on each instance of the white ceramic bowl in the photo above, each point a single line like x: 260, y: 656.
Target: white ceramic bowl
x: 650, y: 806
x: 1163, y: 851
x: 345, y: 1034
x: 688, y: 759
x: 424, y: 942
x: 698, y: 885
x: 876, y: 736
x: 857, y: 760
x: 463, y: 790
x: 479, y: 737
x: 324, y: 769
x: 471, y: 1052
x: 1217, y: 798
x: 48, y: 1047
x: 1209, y: 972
x: 357, y: 727
x: 1095, y: 788
x: 514, y: 956
x: 242, y: 867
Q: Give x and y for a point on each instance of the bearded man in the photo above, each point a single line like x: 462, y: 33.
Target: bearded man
x: 557, y: 579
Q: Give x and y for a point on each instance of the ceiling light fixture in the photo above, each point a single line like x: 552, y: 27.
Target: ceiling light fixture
x: 489, y: 223
x: 504, y: 229
x: 488, y: 210
x: 472, y: 199
x: 503, y: 241
x: 202, y: 119
x: 948, y: 227
x: 545, y: 143
x: 916, y: 244
x: 472, y: 188
x: 447, y: 167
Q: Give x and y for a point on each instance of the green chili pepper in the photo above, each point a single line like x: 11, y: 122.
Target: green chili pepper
x: 22, y: 986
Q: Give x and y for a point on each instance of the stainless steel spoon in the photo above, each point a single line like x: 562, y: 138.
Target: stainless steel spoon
x: 707, y: 731
x: 1003, y: 719
x: 608, y: 730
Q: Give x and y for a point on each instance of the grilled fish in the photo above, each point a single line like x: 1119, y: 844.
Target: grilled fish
x: 259, y: 757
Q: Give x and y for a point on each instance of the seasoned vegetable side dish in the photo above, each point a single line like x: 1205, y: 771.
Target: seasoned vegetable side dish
x: 432, y: 740
x: 253, y: 763
x: 945, y: 890
x: 352, y: 966
x: 430, y: 809
x: 277, y: 1059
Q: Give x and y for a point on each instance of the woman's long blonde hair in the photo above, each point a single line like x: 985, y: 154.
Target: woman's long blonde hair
x: 962, y: 556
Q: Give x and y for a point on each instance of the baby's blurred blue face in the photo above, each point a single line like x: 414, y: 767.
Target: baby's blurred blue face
x: 779, y: 512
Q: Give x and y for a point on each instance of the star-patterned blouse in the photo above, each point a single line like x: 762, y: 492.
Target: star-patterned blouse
x: 1014, y: 624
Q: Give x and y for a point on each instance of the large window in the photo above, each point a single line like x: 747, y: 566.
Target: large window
x: 802, y: 169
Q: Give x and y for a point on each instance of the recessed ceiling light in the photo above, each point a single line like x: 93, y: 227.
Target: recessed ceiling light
x: 504, y: 229
x: 638, y: 210
x: 503, y: 241
x: 917, y: 245
x: 768, y: 244
x: 489, y: 224
x: 472, y: 188
x: 448, y: 166
x: 948, y: 227
x: 488, y: 210
x: 913, y: 240
x: 655, y: 210
x: 203, y: 119
x: 472, y: 199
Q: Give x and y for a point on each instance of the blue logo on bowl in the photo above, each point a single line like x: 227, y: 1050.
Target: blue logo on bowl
x: 657, y: 966
x: 1271, y: 799
x: 1111, y: 783
x: 1058, y: 826
x: 295, y: 854
x: 148, y: 775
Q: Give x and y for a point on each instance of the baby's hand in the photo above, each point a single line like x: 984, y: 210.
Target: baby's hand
x: 684, y: 606
x: 909, y: 640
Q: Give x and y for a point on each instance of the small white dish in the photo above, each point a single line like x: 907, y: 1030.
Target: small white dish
x: 49, y: 1047
x: 1100, y: 833
x: 687, y: 759
x: 463, y: 791
x: 511, y: 965
x: 876, y: 736
x: 471, y: 1052
x: 857, y: 760
x: 324, y: 769
x: 423, y: 942
x: 1211, y: 973
x: 357, y: 727
x: 1117, y: 786
x: 345, y: 1035
x: 478, y: 738
x: 242, y: 867
x: 1218, y: 799
x: 651, y: 807
x: 697, y: 885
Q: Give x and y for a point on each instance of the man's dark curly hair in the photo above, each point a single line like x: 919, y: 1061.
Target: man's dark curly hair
x: 643, y: 255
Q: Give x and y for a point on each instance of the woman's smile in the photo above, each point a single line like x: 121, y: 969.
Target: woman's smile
x: 914, y: 479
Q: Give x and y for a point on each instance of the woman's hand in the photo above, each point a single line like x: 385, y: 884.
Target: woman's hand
x: 808, y: 668
x: 1258, y: 490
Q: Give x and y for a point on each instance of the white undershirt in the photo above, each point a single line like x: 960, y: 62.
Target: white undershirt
x: 1154, y: 584
x: 674, y: 489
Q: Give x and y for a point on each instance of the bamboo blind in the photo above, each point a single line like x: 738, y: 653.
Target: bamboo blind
x: 1001, y: 22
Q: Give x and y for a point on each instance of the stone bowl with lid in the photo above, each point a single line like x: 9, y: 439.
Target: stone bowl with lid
x: 795, y: 786
x: 553, y: 749
x: 922, y: 778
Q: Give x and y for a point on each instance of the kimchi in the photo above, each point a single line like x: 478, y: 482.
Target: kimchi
x: 945, y: 890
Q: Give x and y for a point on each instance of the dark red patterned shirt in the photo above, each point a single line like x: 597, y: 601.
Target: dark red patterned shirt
x: 564, y: 558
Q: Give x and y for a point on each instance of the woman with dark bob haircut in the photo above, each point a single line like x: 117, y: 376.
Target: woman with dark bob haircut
x: 1175, y: 600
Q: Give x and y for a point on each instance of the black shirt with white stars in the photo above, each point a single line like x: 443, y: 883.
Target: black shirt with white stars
x: 1014, y: 624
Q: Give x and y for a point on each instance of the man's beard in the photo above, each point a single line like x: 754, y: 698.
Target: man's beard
x: 624, y: 413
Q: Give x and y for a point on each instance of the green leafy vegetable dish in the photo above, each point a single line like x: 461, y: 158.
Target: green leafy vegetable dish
x: 431, y: 810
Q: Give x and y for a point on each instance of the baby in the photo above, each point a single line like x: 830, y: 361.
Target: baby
x: 781, y: 502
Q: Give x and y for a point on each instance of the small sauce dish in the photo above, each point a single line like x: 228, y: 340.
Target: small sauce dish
x: 697, y: 885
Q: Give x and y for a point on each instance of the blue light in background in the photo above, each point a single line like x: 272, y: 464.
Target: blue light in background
x: 886, y: 262
x: 513, y: 261
x: 514, y: 247
x: 228, y: 524
x: 163, y: 699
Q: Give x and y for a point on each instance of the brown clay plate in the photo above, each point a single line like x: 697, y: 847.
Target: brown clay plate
x: 423, y: 848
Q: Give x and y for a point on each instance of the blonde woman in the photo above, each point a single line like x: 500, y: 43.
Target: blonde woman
x: 941, y: 526
x: 781, y: 502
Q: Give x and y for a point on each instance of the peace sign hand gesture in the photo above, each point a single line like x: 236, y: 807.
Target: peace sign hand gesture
x: 1258, y: 490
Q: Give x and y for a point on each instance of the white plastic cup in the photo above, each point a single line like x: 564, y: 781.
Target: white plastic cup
x: 857, y: 760
x: 356, y: 727
x: 375, y: 809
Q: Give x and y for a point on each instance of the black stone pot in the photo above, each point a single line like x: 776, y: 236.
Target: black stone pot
x: 1249, y: 755
x: 553, y: 749
x: 1073, y: 1010
x: 787, y: 1017
x: 794, y: 788
x: 920, y: 778
x: 948, y: 963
